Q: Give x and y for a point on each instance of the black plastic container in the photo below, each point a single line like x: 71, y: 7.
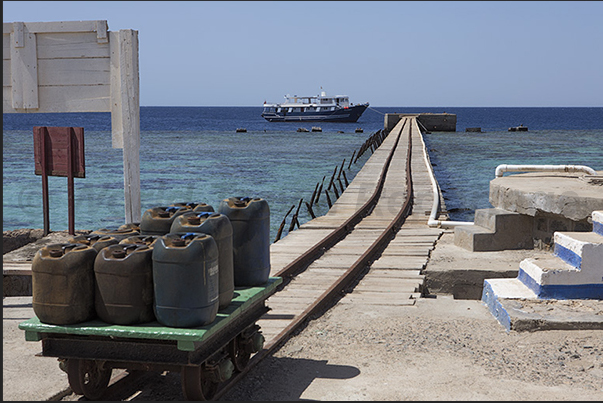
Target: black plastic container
x: 124, y: 284
x: 63, y: 283
x: 185, y: 279
x: 148, y: 240
x: 158, y: 220
x: 97, y: 241
x: 195, y: 207
x: 133, y: 225
x: 250, y: 219
x: 118, y: 234
x: 218, y: 226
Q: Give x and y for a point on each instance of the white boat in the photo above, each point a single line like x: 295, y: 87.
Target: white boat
x: 318, y: 108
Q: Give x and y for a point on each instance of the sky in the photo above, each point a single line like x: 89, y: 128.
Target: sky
x: 388, y: 53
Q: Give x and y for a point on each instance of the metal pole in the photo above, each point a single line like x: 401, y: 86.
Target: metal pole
x: 70, y: 187
x: 43, y: 132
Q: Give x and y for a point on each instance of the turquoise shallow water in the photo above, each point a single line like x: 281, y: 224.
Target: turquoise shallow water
x: 281, y: 166
x: 464, y: 163
x: 195, y: 154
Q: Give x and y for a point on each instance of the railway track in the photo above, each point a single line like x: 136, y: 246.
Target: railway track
x: 329, y: 255
x: 352, y: 238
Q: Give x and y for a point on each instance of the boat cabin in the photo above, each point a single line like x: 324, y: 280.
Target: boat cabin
x: 317, y: 103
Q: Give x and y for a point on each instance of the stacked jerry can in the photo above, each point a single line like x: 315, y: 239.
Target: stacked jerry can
x: 63, y: 283
x: 217, y: 226
x: 185, y: 278
x: 124, y: 284
x: 250, y: 219
x: 179, y: 266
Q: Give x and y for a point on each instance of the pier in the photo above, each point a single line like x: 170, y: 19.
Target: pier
x: 395, y: 275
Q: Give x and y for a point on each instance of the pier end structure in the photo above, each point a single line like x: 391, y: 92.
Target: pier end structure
x: 529, y: 208
x: 435, y: 122
x: 552, y: 201
x: 78, y: 66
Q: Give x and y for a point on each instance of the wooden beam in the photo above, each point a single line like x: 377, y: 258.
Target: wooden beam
x: 125, y: 114
x: 24, y: 69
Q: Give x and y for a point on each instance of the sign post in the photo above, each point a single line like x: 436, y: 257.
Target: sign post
x: 59, y: 151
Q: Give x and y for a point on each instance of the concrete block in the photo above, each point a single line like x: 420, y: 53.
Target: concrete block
x: 516, y: 310
x: 496, y: 219
x: 583, y: 250
x: 552, y: 278
x: 495, y: 290
x: 496, y: 229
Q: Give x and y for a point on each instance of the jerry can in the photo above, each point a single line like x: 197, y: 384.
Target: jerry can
x: 250, y: 219
x: 97, y: 241
x: 185, y: 279
x: 218, y: 226
x: 194, y: 206
x: 63, y: 283
x: 148, y: 240
x: 124, y: 284
x: 118, y: 234
x: 132, y: 225
x: 158, y: 220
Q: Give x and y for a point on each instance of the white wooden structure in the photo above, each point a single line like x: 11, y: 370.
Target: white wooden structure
x: 78, y: 66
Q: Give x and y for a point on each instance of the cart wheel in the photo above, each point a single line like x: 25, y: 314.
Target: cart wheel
x: 239, y: 353
x: 196, y: 385
x: 86, y: 377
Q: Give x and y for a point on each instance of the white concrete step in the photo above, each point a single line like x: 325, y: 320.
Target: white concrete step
x: 553, y: 278
x: 583, y: 250
x: 498, y: 289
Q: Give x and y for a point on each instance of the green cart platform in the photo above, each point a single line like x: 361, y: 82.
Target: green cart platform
x: 206, y: 356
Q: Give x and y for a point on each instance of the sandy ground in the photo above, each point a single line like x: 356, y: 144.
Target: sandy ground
x: 439, y: 349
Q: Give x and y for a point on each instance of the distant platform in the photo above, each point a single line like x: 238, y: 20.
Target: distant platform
x: 432, y: 122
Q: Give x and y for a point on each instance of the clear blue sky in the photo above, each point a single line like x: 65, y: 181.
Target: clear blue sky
x: 220, y: 53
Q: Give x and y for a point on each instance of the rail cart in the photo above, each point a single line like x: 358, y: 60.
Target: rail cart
x: 206, y: 356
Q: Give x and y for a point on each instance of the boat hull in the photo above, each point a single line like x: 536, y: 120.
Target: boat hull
x: 351, y: 114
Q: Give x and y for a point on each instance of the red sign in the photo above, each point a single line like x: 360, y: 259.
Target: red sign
x: 61, y: 143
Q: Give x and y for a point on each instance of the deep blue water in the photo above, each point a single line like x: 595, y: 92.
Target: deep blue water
x: 195, y: 154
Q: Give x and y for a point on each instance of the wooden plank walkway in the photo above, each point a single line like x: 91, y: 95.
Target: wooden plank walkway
x: 395, y: 277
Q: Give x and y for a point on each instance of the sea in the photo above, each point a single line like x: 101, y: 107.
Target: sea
x: 196, y: 154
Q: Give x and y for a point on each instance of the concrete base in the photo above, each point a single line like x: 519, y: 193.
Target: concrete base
x: 521, y: 310
x: 494, y: 230
x: 454, y: 270
x: 562, y: 195
x: 433, y: 122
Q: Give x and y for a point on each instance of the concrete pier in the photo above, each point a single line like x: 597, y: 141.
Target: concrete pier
x: 433, y: 122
